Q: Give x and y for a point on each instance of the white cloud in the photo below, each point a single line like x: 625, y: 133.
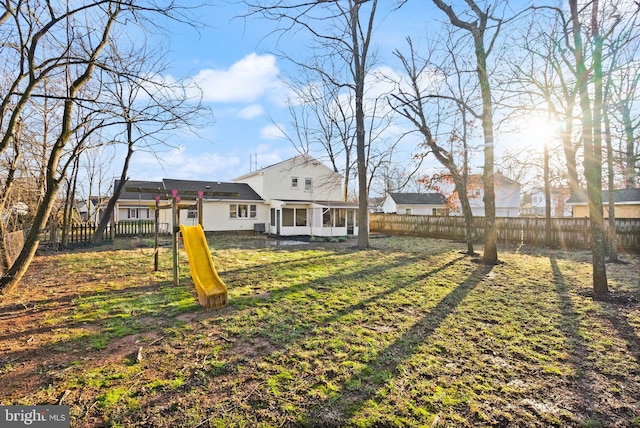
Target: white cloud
x: 249, y: 112
x: 272, y: 132
x: 245, y: 81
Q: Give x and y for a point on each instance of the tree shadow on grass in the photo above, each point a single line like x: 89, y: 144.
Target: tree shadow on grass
x: 579, y: 351
x: 366, y: 302
x: 317, y: 284
x: 388, y: 360
x: 322, y: 290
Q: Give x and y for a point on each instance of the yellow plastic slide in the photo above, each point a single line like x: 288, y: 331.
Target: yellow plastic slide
x: 212, y: 292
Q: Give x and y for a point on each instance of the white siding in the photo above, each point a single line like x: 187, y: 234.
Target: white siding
x: 389, y: 205
x: 276, y: 181
x: 256, y: 182
x: 418, y: 209
x: 507, y: 201
x: 216, y: 216
x: 146, y: 210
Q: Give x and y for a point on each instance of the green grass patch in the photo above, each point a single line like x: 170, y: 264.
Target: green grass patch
x: 408, y: 333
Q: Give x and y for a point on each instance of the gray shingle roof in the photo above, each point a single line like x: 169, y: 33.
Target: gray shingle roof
x: 621, y: 195
x: 246, y: 193
x: 141, y: 185
x: 418, y: 198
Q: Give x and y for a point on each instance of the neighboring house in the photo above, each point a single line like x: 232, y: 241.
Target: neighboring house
x: 375, y: 205
x: 136, y: 205
x: 507, y: 193
x: 627, y: 203
x: 299, y: 196
x: 535, y: 206
x: 93, y: 210
x: 415, y: 204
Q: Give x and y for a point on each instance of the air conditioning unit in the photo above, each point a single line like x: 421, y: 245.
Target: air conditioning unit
x: 259, y: 227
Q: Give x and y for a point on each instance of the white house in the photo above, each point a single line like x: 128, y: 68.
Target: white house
x: 299, y: 196
x: 134, y: 204
x: 415, y: 204
x: 507, y: 193
x: 507, y: 196
x: 537, y: 204
x: 92, y: 209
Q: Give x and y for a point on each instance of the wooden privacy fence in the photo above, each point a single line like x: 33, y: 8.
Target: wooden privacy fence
x: 566, y: 233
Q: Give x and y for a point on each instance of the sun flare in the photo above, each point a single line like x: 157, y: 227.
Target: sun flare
x: 536, y: 131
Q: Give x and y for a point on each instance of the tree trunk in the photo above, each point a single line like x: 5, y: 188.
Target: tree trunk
x: 468, y: 215
x: 67, y: 213
x: 490, y: 255
x: 98, y: 235
x: 569, y: 150
x: 630, y: 157
x: 591, y: 147
x: 547, y: 198
x: 359, y: 56
x: 613, y: 235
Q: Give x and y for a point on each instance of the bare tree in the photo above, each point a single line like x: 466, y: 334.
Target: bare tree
x: 425, y: 80
x: 142, y: 109
x: 546, y: 84
x: 64, y: 43
x: 323, y: 120
x: 624, y: 112
x: 341, y: 30
x: 591, y: 102
x: 482, y: 24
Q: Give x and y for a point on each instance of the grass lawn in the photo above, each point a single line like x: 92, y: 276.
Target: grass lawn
x: 409, y: 333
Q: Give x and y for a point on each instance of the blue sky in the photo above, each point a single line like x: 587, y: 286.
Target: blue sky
x: 244, y: 85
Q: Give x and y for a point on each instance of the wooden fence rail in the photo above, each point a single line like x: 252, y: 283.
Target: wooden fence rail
x: 566, y: 233
x: 84, y: 232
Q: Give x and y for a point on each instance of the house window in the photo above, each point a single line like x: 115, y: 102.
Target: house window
x: 287, y: 217
x: 192, y: 213
x: 294, y: 182
x: 477, y: 192
x: 294, y: 217
x: 327, y: 218
x: 308, y: 185
x: 137, y: 213
x: 440, y: 212
x: 341, y: 217
x: 407, y: 211
x: 242, y: 211
x: 301, y: 217
x: 273, y: 216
